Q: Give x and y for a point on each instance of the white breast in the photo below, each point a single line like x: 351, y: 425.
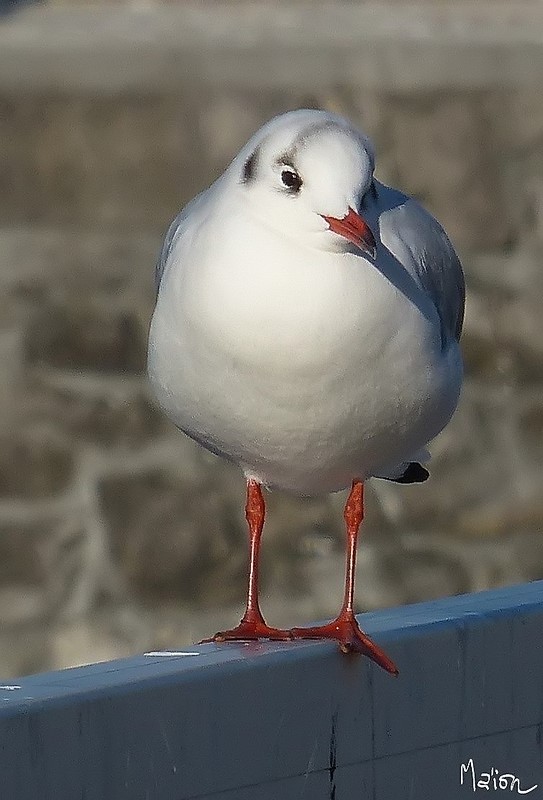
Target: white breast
x: 306, y: 368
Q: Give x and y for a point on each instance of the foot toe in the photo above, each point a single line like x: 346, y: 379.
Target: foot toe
x: 351, y: 638
x: 250, y: 631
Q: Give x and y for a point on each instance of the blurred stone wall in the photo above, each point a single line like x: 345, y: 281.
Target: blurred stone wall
x: 116, y: 532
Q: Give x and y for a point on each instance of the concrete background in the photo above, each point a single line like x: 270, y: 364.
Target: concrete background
x: 116, y: 533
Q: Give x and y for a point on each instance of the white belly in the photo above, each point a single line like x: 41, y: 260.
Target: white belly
x: 307, y: 377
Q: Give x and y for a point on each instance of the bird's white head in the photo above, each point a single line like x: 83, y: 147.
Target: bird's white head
x: 309, y: 174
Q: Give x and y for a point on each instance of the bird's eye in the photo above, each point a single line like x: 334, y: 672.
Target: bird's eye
x: 291, y: 180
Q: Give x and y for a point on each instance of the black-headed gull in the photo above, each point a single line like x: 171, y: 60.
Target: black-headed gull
x: 306, y: 328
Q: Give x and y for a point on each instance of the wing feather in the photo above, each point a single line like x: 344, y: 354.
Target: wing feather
x: 424, y: 249
x: 437, y: 266
x: 166, y: 249
x: 179, y: 227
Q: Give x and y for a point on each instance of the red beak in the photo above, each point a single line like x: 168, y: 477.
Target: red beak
x: 353, y: 228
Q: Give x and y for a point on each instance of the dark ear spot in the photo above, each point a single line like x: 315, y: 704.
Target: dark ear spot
x: 249, y: 167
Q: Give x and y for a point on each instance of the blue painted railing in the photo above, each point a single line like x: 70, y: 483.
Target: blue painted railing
x: 284, y: 721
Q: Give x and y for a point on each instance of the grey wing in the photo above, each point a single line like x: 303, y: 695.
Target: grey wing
x: 179, y: 227
x: 171, y: 234
x: 437, y: 266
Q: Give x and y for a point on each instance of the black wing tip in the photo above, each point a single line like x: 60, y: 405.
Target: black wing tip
x: 415, y: 473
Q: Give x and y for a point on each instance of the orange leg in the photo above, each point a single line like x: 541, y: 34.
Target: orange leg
x: 252, y: 625
x: 345, y: 628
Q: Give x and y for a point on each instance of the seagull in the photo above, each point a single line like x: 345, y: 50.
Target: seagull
x: 306, y: 329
